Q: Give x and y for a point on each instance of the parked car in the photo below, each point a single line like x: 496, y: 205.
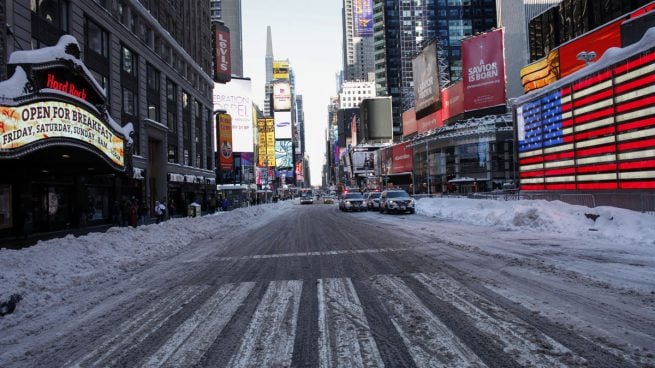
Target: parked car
x: 372, y: 201
x: 396, y: 200
x: 352, y: 201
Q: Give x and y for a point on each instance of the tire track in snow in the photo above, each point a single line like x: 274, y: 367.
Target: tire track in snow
x: 136, y: 330
x: 345, y: 338
x: 269, y: 339
x: 193, y: 337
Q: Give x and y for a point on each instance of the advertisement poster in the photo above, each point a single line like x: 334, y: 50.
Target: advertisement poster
x: 224, y: 134
x: 409, y: 122
x: 223, y: 66
x: 266, y: 142
x: 363, y: 18
x: 452, y: 99
x: 397, y: 159
x: 283, y: 125
x: 427, y: 97
x: 235, y: 97
x: 283, y: 154
x: 483, y: 70
x: 281, y: 96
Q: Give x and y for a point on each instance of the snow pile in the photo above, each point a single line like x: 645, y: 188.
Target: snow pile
x: 554, y: 217
x: 50, y: 269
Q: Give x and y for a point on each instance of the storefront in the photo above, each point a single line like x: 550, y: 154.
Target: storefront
x: 65, y: 161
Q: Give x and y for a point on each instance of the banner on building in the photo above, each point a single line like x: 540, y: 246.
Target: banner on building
x: 283, y: 154
x: 483, y: 70
x: 224, y: 134
x: 281, y: 96
x: 427, y: 96
x: 280, y: 69
x: 363, y: 18
x: 266, y: 142
x: 235, y: 97
x: 221, y: 53
x: 283, y: 124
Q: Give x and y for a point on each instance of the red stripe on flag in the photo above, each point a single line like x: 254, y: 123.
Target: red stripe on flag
x: 592, y: 98
x: 635, y: 83
x: 596, y: 168
x: 637, y: 185
x: 567, y: 123
x: 532, y: 174
x: 531, y: 160
x: 592, y: 80
x: 596, y: 151
x: 565, y: 91
x: 635, y: 104
x: 560, y: 171
x: 598, y: 114
x: 637, y: 124
x: 559, y: 156
x: 645, y: 164
x: 605, y: 185
x: 645, y: 143
x: 561, y: 186
x: 532, y: 187
x: 568, y: 139
x: 594, y: 133
x: 634, y: 63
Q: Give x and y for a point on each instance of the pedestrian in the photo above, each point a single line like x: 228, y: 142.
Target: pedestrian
x: 143, y: 213
x: 132, y: 213
x: 158, y: 211
x: 224, y: 204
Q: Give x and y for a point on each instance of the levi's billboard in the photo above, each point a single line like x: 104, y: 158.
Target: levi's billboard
x: 221, y: 51
x: 483, y: 69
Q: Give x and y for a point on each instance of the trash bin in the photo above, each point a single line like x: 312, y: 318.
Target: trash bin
x: 193, y: 210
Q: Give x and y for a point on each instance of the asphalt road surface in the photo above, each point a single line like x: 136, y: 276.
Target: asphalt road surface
x: 321, y: 288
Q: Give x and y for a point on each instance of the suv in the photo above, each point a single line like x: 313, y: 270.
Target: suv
x: 372, y: 200
x: 396, y: 200
x: 353, y: 201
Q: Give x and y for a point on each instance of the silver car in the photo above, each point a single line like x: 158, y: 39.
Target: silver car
x: 372, y: 201
x: 396, y: 200
x: 353, y: 201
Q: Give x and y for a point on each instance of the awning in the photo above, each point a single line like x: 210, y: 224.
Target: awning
x: 175, y: 178
x: 464, y: 180
x: 189, y: 178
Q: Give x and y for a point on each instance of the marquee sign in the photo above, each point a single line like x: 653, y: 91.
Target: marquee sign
x: 23, y: 125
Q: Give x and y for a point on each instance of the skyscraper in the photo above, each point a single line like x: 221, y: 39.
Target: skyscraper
x: 228, y: 12
x: 268, y: 86
x: 358, y: 52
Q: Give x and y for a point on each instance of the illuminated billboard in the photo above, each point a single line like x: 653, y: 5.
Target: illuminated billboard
x: 598, y: 40
x: 47, y: 120
x: 427, y: 97
x: 235, y: 97
x: 363, y: 18
x: 283, y: 154
x: 283, y: 124
x: 224, y: 134
x: 483, y: 70
x: 540, y: 73
x: 452, y: 99
x: 594, y: 129
x: 266, y: 142
x: 409, y: 122
x: 221, y: 53
x: 281, y: 96
x: 280, y: 69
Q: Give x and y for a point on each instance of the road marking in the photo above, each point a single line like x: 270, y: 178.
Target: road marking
x: 134, y: 331
x: 269, y: 339
x: 345, y: 338
x: 528, y: 346
x: 429, y: 341
x: 193, y: 337
x: 315, y: 254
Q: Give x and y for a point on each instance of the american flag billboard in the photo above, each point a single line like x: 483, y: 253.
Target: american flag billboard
x: 593, y: 132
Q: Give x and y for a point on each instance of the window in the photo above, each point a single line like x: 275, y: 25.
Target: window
x: 129, y: 102
x: 96, y: 38
x: 172, y: 121
x: 54, y: 12
x: 128, y: 61
x: 153, y: 111
x: 152, y: 76
x: 171, y: 91
x: 172, y: 153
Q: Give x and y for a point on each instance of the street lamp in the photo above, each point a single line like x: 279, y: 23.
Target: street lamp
x: 586, y: 56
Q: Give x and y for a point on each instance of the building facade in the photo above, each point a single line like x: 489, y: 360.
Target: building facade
x: 228, y: 12
x: 152, y: 61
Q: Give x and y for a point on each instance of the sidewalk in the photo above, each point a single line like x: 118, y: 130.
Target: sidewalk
x: 11, y: 242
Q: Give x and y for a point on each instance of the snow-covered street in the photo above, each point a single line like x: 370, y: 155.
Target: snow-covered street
x: 535, y: 283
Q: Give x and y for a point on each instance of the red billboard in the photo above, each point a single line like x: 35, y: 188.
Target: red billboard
x: 597, y: 41
x: 409, y: 122
x: 221, y: 51
x: 224, y: 134
x: 452, y: 99
x: 397, y: 159
x: 483, y: 70
x: 429, y: 122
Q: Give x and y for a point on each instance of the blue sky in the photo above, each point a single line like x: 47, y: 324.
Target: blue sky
x: 308, y: 33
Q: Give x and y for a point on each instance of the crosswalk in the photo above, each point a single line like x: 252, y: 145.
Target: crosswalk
x: 438, y: 321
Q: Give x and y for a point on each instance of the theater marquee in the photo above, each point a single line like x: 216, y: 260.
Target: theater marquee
x: 42, y: 120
